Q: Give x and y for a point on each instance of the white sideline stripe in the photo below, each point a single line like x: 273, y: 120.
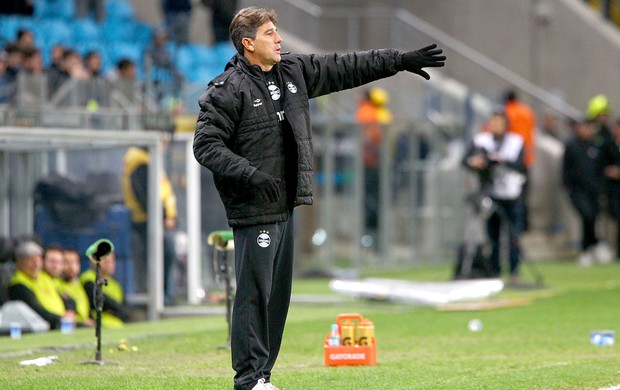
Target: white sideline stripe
x: 616, y: 387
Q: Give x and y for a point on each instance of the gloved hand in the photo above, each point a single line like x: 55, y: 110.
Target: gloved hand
x: 265, y: 185
x: 429, y: 56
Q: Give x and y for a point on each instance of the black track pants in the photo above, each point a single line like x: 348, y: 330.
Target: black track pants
x: 264, y: 272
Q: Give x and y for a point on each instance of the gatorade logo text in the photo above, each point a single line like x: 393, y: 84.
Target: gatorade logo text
x: 347, y: 356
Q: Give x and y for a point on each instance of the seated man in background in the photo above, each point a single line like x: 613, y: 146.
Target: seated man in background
x: 73, y: 288
x: 53, y: 267
x: 115, y: 313
x: 38, y: 292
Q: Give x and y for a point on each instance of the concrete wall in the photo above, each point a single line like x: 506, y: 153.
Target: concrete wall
x: 562, y: 46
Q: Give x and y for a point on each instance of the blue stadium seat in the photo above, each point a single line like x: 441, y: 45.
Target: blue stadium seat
x: 203, y: 74
x: 224, y: 52
x: 142, y: 33
x: 126, y: 30
x: 118, y: 10
x: 119, y: 50
x: 54, y: 9
x: 56, y: 31
x: 192, y: 60
x: 113, y: 30
x: 85, y: 30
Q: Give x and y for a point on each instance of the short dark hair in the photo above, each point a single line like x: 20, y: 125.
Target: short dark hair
x: 246, y: 22
x: 125, y: 63
x: 510, y: 95
x: 23, y: 31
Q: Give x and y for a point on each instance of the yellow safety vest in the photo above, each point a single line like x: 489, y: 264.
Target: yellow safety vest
x: 112, y: 290
x: 76, y: 291
x: 44, y: 290
x: 135, y: 158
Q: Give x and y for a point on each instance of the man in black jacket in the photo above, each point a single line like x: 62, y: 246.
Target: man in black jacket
x: 254, y: 134
x: 582, y: 180
x: 610, y: 166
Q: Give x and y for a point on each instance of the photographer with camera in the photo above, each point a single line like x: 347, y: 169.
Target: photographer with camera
x: 497, y: 156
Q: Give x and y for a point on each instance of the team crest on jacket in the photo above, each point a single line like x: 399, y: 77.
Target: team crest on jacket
x: 263, y: 240
x: 291, y: 87
x: 274, y: 91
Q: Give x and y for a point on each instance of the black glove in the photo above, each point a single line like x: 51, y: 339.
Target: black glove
x: 265, y: 185
x: 414, y: 61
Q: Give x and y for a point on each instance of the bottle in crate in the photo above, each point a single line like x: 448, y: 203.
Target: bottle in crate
x: 365, y: 332
x: 347, y: 332
x: 334, y: 336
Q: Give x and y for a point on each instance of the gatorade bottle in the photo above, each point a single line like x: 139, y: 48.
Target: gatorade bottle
x: 347, y: 331
x: 334, y: 336
x: 365, y: 332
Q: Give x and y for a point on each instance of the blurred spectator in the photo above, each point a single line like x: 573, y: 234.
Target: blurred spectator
x: 74, y: 65
x: 160, y: 61
x: 58, y: 52
x: 17, y: 7
x: 72, y: 287
x: 135, y: 180
x: 222, y: 12
x: 115, y: 312
x: 97, y: 87
x: 177, y: 15
x: 93, y: 64
x: 498, y: 157
x: 124, y: 78
x: 14, y: 61
x: 372, y: 114
x: 550, y: 125
x: 125, y: 70
x: 33, y: 61
x: 522, y: 121
x: 25, y: 39
x: 610, y: 165
x: 599, y: 110
x: 90, y: 8
x: 71, y: 67
x: 583, y: 183
x: 6, y: 88
x: 37, y: 291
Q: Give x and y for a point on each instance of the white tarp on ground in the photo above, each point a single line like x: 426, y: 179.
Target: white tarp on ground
x: 421, y: 293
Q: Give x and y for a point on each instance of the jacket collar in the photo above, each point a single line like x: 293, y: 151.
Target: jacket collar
x: 240, y: 62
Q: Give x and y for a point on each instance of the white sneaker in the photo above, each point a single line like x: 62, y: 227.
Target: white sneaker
x: 269, y: 386
x: 602, y: 253
x: 585, y: 259
x: 260, y: 385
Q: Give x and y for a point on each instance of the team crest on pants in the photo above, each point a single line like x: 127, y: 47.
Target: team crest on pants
x: 263, y: 240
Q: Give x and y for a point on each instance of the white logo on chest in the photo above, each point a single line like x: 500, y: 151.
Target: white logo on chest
x: 291, y: 87
x: 274, y: 91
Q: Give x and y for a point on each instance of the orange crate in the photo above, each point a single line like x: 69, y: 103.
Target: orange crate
x: 349, y: 355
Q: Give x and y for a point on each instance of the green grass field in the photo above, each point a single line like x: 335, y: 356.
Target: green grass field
x: 544, y: 345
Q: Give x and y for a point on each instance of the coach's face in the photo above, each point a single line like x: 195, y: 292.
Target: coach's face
x: 264, y: 50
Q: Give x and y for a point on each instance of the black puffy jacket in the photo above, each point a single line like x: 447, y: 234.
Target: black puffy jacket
x: 237, y: 130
